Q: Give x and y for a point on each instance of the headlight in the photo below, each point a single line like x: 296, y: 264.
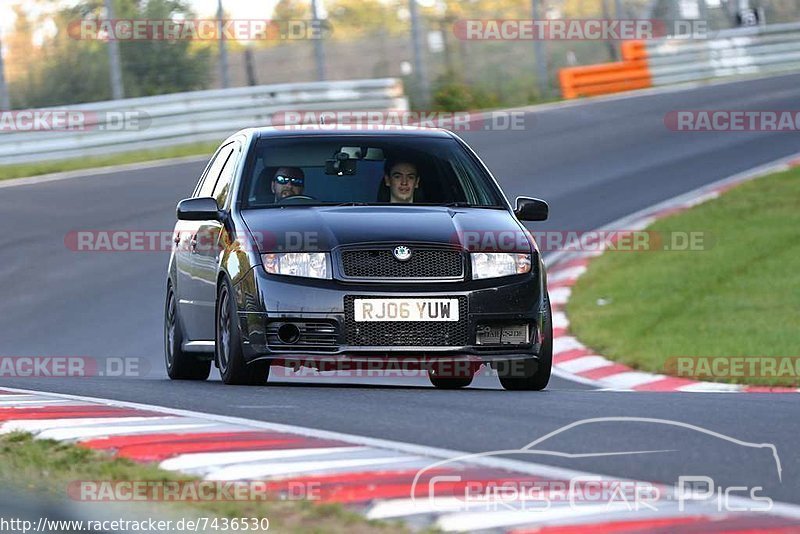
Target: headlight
x: 308, y: 264
x: 495, y: 264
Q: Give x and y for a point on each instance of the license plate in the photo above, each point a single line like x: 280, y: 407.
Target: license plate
x: 503, y: 335
x: 405, y: 310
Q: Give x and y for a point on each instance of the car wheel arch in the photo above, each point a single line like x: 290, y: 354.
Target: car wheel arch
x: 172, y: 287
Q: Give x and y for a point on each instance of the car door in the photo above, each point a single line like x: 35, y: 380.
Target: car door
x: 194, y: 303
x: 208, y: 249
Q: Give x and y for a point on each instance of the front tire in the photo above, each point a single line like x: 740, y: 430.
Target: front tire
x: 532, y: 375
x: 181, y: 365
x: 228, y: 347
x: 443, y: 376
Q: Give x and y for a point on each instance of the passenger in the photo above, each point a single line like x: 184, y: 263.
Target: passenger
x: 402, y: 178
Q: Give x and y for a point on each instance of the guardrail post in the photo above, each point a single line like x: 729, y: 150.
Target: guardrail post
x: 250, y: 70
x: 117, y: 89
x: 319, y: 50
x: 612, y: 48
x: 223, y: 51
x: 420, y: 72
x: 5, y: 99
x: 703, y: 10
x: 540, y: 56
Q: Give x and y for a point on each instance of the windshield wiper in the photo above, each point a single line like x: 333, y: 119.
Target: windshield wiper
x: 468, y: 205
x: 311, y: 205
x: 459, y: 204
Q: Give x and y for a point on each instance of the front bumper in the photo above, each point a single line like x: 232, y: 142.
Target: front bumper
x: 267, y: 301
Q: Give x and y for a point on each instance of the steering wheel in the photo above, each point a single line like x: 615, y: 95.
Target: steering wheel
x: 291, y: 198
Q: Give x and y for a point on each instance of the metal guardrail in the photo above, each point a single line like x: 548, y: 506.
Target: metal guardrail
x: 734, y: 52
x: 740, y: 51
x: 193, y: 117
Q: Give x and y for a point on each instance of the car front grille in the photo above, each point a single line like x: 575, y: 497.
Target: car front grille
x: 406, y: 333
x: 425, y: 263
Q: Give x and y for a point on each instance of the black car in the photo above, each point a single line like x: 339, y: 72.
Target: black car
x: 339, y: 248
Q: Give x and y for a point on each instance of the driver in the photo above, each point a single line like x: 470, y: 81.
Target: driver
x: 288, y: 182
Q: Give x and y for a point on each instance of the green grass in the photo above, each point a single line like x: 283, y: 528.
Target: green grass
x: 45, y: 167
x: 46, y: 468
x: 739, y: 297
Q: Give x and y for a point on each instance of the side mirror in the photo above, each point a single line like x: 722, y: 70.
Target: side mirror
x: 531, y: 209
x: 198, y: 209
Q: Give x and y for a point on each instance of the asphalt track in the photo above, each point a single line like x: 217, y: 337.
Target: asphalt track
x: 594, y: 162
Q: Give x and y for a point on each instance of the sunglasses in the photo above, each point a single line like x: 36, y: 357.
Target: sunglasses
x: 283, y: 180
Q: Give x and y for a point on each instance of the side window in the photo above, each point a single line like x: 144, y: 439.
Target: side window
x: 223, y: 186
x: 210, y: 181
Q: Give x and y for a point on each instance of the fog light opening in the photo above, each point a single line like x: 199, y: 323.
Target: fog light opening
x: 288, y: 333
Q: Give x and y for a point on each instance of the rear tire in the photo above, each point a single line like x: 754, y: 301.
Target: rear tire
x: 228, y: 347
x: 181, y: 365
x: 535, y: 374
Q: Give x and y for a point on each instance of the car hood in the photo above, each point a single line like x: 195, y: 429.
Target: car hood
x: 325, y: 228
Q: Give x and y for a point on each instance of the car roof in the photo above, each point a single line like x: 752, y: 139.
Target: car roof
x: 312, y: 130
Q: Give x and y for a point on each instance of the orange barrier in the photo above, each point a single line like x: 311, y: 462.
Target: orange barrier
x: 633, y: 50
x: 626, y: 75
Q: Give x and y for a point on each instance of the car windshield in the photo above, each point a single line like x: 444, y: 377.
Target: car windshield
x: 322, y: 170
